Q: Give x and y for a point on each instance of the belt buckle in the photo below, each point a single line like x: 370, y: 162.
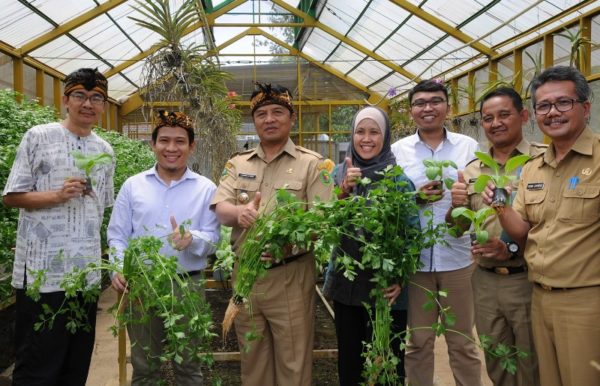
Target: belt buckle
x: 501, y: 270
x: 546, y: 287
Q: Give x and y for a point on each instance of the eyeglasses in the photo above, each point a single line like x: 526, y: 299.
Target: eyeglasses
x: 561, y: 105
x: 433, y: 102
x: 95, y: 99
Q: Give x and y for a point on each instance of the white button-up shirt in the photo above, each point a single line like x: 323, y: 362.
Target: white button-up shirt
x: 145, y: 204
x: 410, y: 153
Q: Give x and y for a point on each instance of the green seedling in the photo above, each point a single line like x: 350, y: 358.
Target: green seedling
x: 434, y: 170
x: 88, y: 163
x: 499, y: 179
x: 477, y: 219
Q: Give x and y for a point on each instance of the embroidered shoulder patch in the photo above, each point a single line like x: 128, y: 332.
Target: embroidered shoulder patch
x: 326, y: 165
x: 226, y: 170
x: 325, y: 177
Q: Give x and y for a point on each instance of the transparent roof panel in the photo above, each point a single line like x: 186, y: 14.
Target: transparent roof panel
x: 61, y: 11
x: 419, y: 46
x: 18, y: 24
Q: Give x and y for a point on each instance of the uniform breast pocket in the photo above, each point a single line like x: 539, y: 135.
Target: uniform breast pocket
x: 534, y: 204
x: 294, y: 187
x: 245, y: 191
x: 581, y: 204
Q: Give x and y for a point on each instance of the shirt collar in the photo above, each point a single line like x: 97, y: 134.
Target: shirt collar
x: 188, y: 175
x: 289, y: 148
x: 448, y: 136
x: 583, y: 145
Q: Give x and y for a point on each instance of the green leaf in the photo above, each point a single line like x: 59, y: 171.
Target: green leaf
x: 481, y: 182
x: 514, y: 162
x: 432, y: 172
x: 482, y: 236
x: 487, y: 160
x: 464, y: 212
x: 448, y: 182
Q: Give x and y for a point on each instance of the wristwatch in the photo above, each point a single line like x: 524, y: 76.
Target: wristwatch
x: 513, y: 249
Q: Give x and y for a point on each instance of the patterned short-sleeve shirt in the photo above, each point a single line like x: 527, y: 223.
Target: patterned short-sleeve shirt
x: 65, y: 236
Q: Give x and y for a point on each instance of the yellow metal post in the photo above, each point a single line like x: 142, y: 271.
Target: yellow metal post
x: 18, y: 76
x: 39, y: 86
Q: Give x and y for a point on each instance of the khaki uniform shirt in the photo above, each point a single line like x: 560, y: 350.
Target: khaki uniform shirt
x: 302, y: 172
x: 561, y: 202
x: 473, y: 170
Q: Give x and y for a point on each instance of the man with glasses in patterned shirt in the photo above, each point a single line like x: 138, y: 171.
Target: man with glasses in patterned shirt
x: 58, y: 232
x: 557, y: 209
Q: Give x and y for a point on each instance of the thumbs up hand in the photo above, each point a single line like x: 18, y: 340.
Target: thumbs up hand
x: 181, y: 238
x: 353, y: 174
x: 249, y: 213
x: 459, y: 191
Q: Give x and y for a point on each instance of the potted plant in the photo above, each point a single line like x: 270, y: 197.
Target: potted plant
x: 88, y: 163
x: 434, y: 171
x: 500, y: 179
x: 477, y: 218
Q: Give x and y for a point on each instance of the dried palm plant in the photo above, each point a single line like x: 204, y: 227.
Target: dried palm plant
x: 183, y: 73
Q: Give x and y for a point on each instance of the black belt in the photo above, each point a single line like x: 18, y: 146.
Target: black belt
x: 287, y: 260
x: 549, y: 288
x: 505, y: 270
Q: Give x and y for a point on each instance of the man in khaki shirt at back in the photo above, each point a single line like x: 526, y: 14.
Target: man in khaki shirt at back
x: 557, y: 208
x: 501, y: 291
x: 283, y: 301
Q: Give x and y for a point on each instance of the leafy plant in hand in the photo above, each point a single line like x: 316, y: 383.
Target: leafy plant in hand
x: 500, y: 179
x: 434, y: 170
x: 477, y: 219
x: 391, y: 247
x: 155, y: 288
x: 88, y: 163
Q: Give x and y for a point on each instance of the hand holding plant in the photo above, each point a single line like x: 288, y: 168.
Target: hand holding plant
x: 499, y: 179
x: 434, y: 170
x: 88, y: 163
x: 477, y: 220
x: 181, y: 238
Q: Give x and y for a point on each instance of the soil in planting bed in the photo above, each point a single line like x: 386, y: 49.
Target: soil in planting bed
x: 324, y: 370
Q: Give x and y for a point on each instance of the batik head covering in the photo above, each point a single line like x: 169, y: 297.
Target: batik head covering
x: 88, y: 79
x: 271, y: 95
x: 173, y: 119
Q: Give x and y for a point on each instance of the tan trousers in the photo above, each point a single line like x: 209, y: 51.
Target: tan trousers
x: 503, y: 312
x: 566, y: 329
x: 146, y: 345
x: 283, y: 307
x: 463, y: 354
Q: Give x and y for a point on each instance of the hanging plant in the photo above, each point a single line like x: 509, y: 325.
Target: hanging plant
x: 184, y: 73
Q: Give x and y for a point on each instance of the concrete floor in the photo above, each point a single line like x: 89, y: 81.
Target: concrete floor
x: 104, y: 370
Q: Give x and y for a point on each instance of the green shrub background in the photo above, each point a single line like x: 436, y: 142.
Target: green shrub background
x: 15, y: 119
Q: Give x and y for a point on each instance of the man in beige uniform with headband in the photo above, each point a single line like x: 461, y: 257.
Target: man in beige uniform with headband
x: 557, y: 208
x: 283, y: 301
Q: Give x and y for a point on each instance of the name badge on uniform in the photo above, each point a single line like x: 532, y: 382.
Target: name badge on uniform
x: 250, y: 176
x: 535, y: 186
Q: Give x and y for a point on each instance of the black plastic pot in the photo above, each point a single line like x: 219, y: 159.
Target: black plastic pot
x: 88, y: 186
x: 473, y: 237
x: 500, y: 197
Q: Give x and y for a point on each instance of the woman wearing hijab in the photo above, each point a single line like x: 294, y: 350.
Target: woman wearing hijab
x: 369, y: 154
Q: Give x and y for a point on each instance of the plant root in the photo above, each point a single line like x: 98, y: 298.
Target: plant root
x: 233, y: 309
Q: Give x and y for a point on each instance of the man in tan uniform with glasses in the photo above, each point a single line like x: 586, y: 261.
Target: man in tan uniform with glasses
x: 557, y: 208
x: 283, y: 301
